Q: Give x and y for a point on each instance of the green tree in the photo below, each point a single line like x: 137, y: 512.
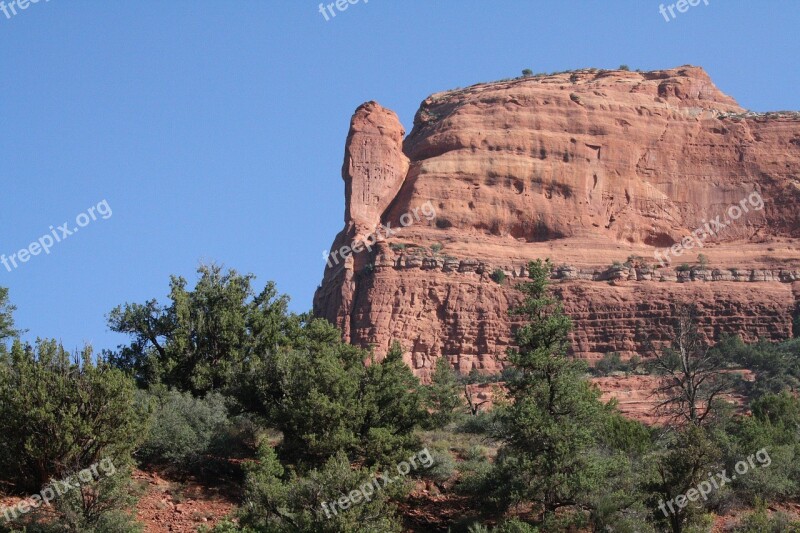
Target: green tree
x: 773, y: 429
x: 7, y: 330
x: 6, y: 315
x: 62, y: 415
x: 550, y: 428
x: 393, y: 401
x: 684, y: 462
x: 776, y: 365
x: 443, y: 394
x: 796, y: 321
x: 200, y: 341
x: 311, y: 396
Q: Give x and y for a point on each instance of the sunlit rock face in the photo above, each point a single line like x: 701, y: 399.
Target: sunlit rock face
x: 596, y: 170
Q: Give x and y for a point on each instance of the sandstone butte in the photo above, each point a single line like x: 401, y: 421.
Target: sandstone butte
x: 593, y: 169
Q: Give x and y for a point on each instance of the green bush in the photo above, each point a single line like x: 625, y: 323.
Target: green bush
x: 278, y: 503
x: 509, y: 526
x: 184, y: 428
x: 475, y: 475
x: 101, y: 507
x: 61, y: 415
x: 611, y: 362
x: 625, y: 435
x: 515, y: 526
x: 509, y: 374
x: 483, y: 423
x: 444, y: 465
x: 325, y: 399
x: 760, y: 521
x: 498, y: 276
x: 443, y: 223
x: 527, y: 72
x: 475, y: 453
x: 776, y: 365
x: 624, y: 67
x: 772, y: 432
x: 475, y: 376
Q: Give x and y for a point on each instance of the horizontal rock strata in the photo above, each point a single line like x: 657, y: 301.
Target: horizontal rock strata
x: 600, y: 171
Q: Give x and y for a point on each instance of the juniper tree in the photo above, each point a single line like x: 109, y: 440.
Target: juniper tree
x: 201, y: 340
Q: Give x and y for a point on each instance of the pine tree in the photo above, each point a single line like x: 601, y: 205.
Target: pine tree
x: 443, y: 394
x: 550, y: 427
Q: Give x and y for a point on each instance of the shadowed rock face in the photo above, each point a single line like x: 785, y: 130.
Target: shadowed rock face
x: 586, y: 168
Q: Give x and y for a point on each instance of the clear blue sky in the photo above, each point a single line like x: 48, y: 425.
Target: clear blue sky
x: 215, y: 130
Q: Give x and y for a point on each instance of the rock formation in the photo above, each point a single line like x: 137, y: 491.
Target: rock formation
x: 596, y: 170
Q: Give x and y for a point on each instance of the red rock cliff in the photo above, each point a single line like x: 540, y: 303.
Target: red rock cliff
x: 594, y: 169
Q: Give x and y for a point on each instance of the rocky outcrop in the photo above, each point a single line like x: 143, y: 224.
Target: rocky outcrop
x: 374, y: 165
x: 596, y: 170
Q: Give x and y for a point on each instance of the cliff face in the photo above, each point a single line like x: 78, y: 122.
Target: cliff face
x: 595, y: 170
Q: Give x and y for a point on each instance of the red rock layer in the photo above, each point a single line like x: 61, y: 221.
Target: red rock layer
x: 586, y: 168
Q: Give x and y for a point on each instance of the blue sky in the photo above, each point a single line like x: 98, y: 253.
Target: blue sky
x: 215, y: 130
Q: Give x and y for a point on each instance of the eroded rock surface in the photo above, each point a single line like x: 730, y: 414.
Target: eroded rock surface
x: 593, y: 169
